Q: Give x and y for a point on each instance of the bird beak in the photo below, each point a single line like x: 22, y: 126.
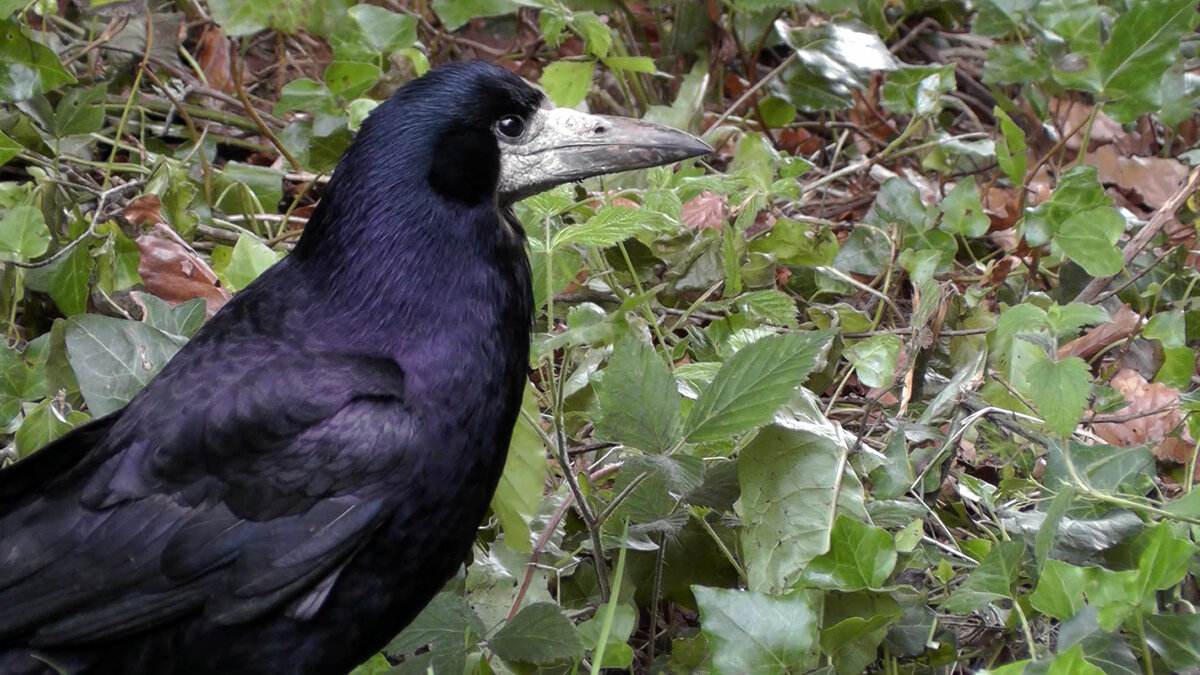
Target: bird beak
x: 561, y: 145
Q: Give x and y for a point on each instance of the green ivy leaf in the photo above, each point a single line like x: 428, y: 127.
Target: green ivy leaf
x: 384, y: 29
x: 1090, y: 238
x: 1176, y: 639
x: 250, y: 258
x: 568, y: 82
x: 114, y: 358
x: 44, y: 424
x: 1144, y: 43
x: 23, y: 233
x: 351, y: 79
x: 27, y: 68
x: 860, y: 557
x: 875, y: 359
x: 752, y: 632
x: 962, y: 212
x: 1059, y: 592
x: 538, y: 634
x: 455, y: 13
x: 991, y: 581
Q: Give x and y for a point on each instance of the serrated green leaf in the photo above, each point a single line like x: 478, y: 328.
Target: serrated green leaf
x: 754, y: 383
x: 639, y: 406
x: 1059, y: 390
x: 610, y: 225
x: 1010, y: 151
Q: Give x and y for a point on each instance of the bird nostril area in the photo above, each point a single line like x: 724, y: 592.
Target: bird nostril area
x: 600, y: 129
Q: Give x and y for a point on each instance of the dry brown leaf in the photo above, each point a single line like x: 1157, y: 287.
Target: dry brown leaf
x: 1125, y: 323
x: 1158, y: 408
x: 171, y: 270
x: 215, y: 57
x: 1071, y: 115
x: 706, y: 210
x: 1153, y: 179
x: 144, y: 209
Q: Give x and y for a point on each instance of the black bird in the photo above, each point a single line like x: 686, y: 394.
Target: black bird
x: 306, y: 473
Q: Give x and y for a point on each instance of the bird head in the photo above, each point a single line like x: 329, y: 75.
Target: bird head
x: 496, y: 138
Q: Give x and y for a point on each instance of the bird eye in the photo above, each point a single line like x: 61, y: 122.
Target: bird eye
x: 511, y: 126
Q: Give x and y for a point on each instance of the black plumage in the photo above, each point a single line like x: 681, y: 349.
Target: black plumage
x: 307, y: 472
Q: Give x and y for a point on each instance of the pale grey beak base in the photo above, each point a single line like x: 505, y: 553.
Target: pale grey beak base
x: 563, y: 145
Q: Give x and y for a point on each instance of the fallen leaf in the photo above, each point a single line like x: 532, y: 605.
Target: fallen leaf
x: 1157, y: 407
x: 1124, y: 323
x: 707, y: 210
x: 1153, y: 179
x: 171, y: 270
x: 144, y: 209
x: 215, y: 59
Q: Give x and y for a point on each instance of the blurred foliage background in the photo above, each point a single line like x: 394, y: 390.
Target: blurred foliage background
x: 902, y: 378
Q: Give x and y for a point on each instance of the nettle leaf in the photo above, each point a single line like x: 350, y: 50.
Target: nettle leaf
x: 771, y: 306
x: 860, y: 557
x: 27, y: 67
x: 991, y: 581
x: 516, y: 500
x: 539, y: 634
x: 610, y: 225
x: 1090, y: 238
x: 568, y: 82
x: 754, y: 383
x: 1059, y: 390
x: 23, y: 232
x: 113, y: 358
x: 962, y: 212
x: 752, y: 632
x: 1144, y: 43
x: 639, y: 406
x: 875, y: 359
